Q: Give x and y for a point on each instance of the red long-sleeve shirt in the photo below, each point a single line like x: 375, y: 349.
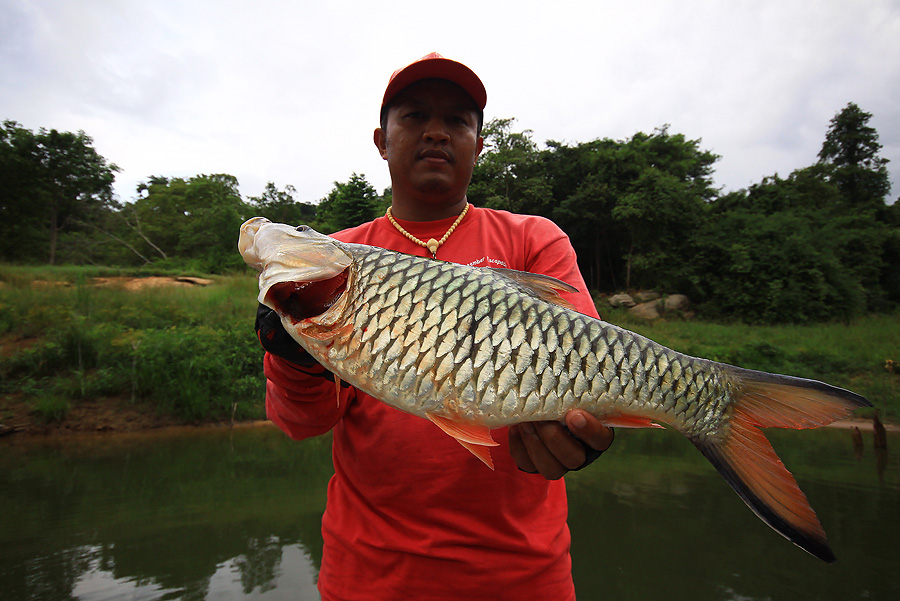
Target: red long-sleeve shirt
x: 410, y: 513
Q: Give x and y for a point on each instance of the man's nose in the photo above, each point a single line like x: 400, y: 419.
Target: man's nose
x: 436, y: 131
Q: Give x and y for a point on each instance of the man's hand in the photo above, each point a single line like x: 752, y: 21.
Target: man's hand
x: 547, y: 448
x: 275, y: 339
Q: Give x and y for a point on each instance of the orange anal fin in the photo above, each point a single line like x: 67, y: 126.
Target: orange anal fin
x: 628, y: 421
x: 474, y: 437
x: 483, y: 453
x: 337, y: 389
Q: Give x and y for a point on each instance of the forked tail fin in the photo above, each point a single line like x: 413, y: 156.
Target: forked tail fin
x: 749, y: 463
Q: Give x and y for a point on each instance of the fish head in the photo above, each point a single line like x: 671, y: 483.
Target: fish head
x: 302, y: 273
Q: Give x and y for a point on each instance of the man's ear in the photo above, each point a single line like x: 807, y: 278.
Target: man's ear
x: 380, y: 142
x: 478, y: 148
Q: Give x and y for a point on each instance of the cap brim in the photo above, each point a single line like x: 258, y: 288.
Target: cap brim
x: 437, y: 68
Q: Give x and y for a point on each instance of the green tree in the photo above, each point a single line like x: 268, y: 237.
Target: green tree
x: 281, y: 206
x: 630, y: 207
x: 661, y: 202
x: 850, y: 157
x: 890, y: 274
x: 784, y: 250
x: 509, y: 174
x: 20, y: 231
x: 191, y: 221
x: 348, y: 204
x: 213, y: 220
x: 158, y: 213
x: 850, y: 152
x: 51, y: 181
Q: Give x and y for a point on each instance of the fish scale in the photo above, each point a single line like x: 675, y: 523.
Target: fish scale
x: 476, y: 348
x: 458, y: 325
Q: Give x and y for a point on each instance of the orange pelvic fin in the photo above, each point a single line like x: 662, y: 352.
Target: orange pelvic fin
x: 474, y: 437
x: 749, y: 463
x: 337, y: 389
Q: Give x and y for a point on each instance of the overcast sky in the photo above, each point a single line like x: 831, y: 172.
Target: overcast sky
x: 289, y: 92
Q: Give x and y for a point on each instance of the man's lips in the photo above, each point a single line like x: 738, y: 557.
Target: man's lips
x: 435, y: 156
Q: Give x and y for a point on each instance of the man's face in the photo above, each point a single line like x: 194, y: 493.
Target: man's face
x: 431, y: 141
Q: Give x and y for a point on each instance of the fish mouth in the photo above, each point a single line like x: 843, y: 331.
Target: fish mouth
x: 302, y: 300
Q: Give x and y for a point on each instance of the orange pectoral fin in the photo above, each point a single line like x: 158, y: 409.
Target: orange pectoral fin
x: 474, y: 437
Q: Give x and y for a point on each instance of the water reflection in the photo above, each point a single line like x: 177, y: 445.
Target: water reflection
x: 677, y: 531
x: 180, y: 515
x: 218, y: 514
x: 283, y: 571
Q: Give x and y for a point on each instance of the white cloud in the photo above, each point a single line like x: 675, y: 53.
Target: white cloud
x: 289, y: 92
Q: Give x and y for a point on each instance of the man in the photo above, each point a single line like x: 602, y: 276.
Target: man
x: 410, y: 513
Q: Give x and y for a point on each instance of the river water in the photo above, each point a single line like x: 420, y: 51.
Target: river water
x: 235, y: 514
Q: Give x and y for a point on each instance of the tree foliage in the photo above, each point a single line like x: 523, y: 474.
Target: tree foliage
x: 762, y: 256
x: 197, y: 218
x: 644, y: 212
x: 51, y: 181
x: 509, y: 174
x: 641, y: 212
x: 850, y: 154
x: 625, y: 204
x: 281, y: 206
x: 348, y: 204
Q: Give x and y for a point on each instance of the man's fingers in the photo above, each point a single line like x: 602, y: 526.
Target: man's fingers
x: 548, y: 449
x: 589, y: 429
x: 519, y: 452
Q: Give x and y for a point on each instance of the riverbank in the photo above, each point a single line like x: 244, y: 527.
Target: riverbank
x: 87, y: 416
x: 113, y: 415
x: 92, y: 355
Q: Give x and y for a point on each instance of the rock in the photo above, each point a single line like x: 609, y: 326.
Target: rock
x: 648, y: 311
x: 621, y: 300
x: 192, y: 280
x: 645, y: 296
x: 677, y: 302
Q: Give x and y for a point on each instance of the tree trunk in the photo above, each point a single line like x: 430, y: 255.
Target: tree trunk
x: 628, y: 267
x: 54, y: 231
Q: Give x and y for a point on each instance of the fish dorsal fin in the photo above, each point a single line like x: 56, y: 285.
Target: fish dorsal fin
x: 474, y: 437
x: 542, y: 286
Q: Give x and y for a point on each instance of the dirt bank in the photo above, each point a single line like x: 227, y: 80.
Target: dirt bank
x: 85, y: 416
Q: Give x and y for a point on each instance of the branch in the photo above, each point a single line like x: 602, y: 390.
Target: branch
x: 137, y: 229
x: 116, y: 238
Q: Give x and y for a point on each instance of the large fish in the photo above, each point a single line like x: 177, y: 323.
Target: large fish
x: 477, y: 348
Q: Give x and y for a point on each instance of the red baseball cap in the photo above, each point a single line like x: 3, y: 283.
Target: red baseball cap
x: 436, y: 66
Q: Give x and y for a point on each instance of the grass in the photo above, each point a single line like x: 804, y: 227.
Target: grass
x: 861, y: 355
x: 51, y: 407
x: 191, y: 351
x: 24, y: 275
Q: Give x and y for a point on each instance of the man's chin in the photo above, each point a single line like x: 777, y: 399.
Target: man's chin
x: 434, y: 187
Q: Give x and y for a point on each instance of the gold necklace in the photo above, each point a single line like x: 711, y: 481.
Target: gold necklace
x: 432, y: 245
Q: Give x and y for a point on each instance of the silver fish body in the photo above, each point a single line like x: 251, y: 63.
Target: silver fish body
x: 473, y: 344
x: 479, y: 348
